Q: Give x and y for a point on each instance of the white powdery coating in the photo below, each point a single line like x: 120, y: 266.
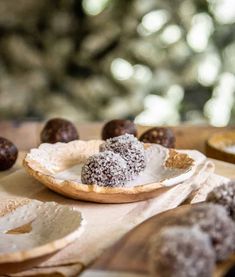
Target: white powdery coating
x: 105, y: 169
x: 154, y: 172
x: 225, y: 196
x: 181, y: 252
x: 213, y: 220
x: 131, y: 150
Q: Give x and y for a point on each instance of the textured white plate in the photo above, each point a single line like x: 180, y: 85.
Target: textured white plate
x: 58, y: 166
x: 31, y: 229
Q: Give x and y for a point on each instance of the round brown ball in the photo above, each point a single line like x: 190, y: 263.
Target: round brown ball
x: 118, y: 127
x: 8, y: 154
x: 58, y: 130
x: 160, y: 135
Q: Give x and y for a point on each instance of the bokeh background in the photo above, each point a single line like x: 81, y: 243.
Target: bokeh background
x: 158, y: 62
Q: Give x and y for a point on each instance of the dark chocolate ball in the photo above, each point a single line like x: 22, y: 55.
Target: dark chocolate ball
x: 160, y: 135
x: 118, y: 127
x: 181, y: 252
x: 59, y: 130
x: 8, y: 154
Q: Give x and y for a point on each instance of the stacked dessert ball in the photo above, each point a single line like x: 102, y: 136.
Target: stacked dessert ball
x: 202, y: 236
x: 128, y: 159
x: 215, y: 222
x: 120, y: 159
x: 122, y: 155
x: 130, y: 149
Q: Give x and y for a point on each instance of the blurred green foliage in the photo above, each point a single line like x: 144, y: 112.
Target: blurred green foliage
x: 160, y: 62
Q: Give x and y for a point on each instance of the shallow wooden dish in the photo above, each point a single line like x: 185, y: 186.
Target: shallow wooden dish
x: 53, y: 165
x: 216, y: 144
x: 130, y: 254
x: 32, y: 231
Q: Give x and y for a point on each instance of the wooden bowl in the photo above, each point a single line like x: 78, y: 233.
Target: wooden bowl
x: 58, y: 166
x: 130, y: 253
x: 31, y: 231
x: 216, y: 146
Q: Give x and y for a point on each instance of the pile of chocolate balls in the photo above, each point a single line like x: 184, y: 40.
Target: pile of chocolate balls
x: 120, y: 159
x: 122, y: 155
x: 62, y: 130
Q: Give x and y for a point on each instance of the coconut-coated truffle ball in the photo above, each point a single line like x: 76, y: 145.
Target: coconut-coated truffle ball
x: 181, y: 252
x: 118, y: 127
x: 130, y: 149
x: 59, y: 130
x: 105, y: 169
x: 160, y: 135
x: 225, y: 196
x: 8, y: 154
x: 214, y: 220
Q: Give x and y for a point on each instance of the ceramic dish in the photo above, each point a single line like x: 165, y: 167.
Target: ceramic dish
x: 58, y: 166
x: 31, y: 231
x: 221, y: 146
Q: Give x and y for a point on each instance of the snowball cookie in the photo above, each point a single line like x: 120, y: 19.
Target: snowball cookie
x: 105, y: 169
x: 213, y: 220
x: 131, y: 150
x: 225, y: 196
x: 181, y: 252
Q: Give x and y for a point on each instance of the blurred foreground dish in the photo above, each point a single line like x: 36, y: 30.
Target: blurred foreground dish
x: 221, y: 146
